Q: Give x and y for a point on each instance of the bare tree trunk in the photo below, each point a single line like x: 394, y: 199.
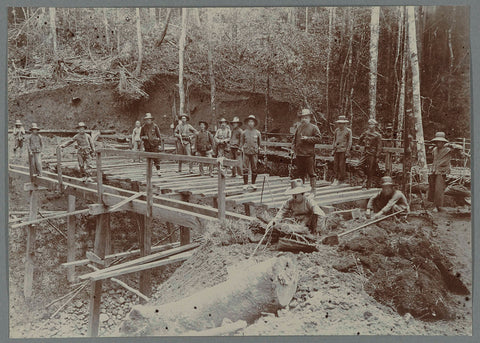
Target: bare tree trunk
x: 105, y: 22
x: 452, y: 59
x: 306, y: 19
x: 417, y: 106
x: 401, y: 99
x: 373, y: 59
x: 139, y: 42
x: 117, y: 30
x: 165, y: 28
x: 181, y: 50
x: 53, y: 29
x: 331, y: 25
x: 152, y: 14
x: 211, y: 73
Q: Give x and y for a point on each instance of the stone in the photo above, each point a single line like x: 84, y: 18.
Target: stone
x: 121, y: 300
x: 293, y: 304
x: 367, y: 314
x: 103, y: 317
x: 78, y: 304
x: 408, y: 317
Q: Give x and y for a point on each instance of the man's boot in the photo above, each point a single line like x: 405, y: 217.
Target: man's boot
x: 313, y: 184
x: 245, y: 181
x: 254, y: 179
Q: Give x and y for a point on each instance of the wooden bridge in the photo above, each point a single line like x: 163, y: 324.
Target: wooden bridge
x: 190, y: 201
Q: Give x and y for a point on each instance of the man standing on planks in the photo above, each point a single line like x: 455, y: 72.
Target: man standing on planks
x: 85, y: 150
x: 204, y: 145
x: 19, y: 136
x: 222, y: 137
x: 35, y: 146
x: 136, y: 138
x: 371, y: 139
x: 235, y: 144
x: 249, y: 145
x: 185, y: 134
x: 150, y: 135
x: 304, y: 140
x: 342, y: 143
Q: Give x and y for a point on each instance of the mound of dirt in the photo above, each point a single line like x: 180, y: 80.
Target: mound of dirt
x: 405, y: 269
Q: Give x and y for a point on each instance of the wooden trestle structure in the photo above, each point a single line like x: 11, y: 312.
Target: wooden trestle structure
x: 171, y: 198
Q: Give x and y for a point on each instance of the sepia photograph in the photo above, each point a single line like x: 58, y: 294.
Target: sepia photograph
x: 239, y: 171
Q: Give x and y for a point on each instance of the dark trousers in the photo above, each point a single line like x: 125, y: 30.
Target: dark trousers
x: 339, y: 164
x: 436, y: 189
x: 153, y: 148
x: 236, y: 155
x: 305, y: 166
x: 201, y: 165
x: 250, y: 162
x: 36, y: 162
x: 369, y: 166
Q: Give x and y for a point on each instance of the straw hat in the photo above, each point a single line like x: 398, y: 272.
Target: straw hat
x: 387, y: 181
x: 372, y: 121
x: 342, y: 119
x: 305, y: 112
x: 236, y: 120
x: 81, y: 124
x: 440, y: 137
x: 251, y: 117
x: 203, y: 121
x: 148, y: 116
x: 18, y: 122
x: 34, y: 127
x: 297, y: 187
x: 184, y: 115
x: 222, y: 120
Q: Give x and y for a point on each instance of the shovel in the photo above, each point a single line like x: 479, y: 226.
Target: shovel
x: 333, y: 239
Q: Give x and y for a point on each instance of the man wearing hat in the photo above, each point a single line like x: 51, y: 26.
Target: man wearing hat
x: 387, y: 201
x: 204, y: 144
x: 235, y: 144
x: 222, y: 137
x: 442, y: 155
x: 342, y: 143
x: 301, y: 208
x: 151, y: 138
x: 185, y: 134
x: 250, y: 144
x: 35, y: 146
x: 371, y: 139
x: 304, y: 140
x: 85, y: 149
x: 136, y: 137
x: 19, y: 136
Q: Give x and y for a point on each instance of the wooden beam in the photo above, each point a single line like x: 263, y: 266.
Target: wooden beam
x: 71, y: 228
x: 221, y: 192
x: 145, y: 234
x: 27, y: 187
x: 30, y: 248
x: 57, y: 216
x: 59, y: 167
x: 127, y: 200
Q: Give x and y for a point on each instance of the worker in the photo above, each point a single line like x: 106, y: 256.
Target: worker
x: 250, y: 145
x: 185, y: 134
x: 222, y: 138
x: 442, y: 155
x: 387, y: 200
x: 35, y: 146
x: 371, y: 139
x: 136, y: 138
x: 19, y: 136
x: 304, y: 140
x: 301, y: 208
x: 235, y: 144
x: 151, y: 138
x: 342, y: 143
x: 204, y: 145
x: 85, y: 150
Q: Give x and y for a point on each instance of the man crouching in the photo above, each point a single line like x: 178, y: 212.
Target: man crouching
x: 387, y: 201
x: 300, y: 208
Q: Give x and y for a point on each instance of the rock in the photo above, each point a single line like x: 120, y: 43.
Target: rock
x: 103, y: 317
x: 78, y: 304
x: 110, y: 322
x: 408, y: 318
x: 367, y: 314
x: 121, y: 300
x: 293, y: 304
x: 282, y: 313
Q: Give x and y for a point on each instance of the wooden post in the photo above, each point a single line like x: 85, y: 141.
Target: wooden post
x: 221, y: 192
x: 185, y: 231
x: 99, y: 250
x: 108, y: 233
x: 146, y: 233
x: 71, y: 226
x: 388, y: 163
x: 59, y: 169
x: 30, y: 249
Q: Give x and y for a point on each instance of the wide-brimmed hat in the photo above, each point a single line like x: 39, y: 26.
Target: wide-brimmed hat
x: 342, y: 120
x: 203, y: 121
x: 148, y: 116
x: 222, y: 120
x: 387, y: 181
x: 81, y: 124
x: 236, y: 120
x: 372, y: 121
x: 34, y: 127
x: 251, y: 117
x: 305, y: 112
x: 440, y: 137
x: 184, y: 115
x: 18, y: 122
x: 297, y: 187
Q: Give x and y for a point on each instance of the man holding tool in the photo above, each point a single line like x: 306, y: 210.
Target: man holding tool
x: 185, y: 134
x: 387, y: 200
x: 150, y: 135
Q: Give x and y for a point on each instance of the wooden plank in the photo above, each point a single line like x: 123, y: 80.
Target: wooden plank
x: 57, y: 216
x: 145, y: 235
x: 59, y: 166
x: 221, y: 192
x: 30, y: 248
x: 71, y: 228
x: 127, y: 200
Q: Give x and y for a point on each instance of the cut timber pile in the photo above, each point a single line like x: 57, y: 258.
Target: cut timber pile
x: 263, y: 287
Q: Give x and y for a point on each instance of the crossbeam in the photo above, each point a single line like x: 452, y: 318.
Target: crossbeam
x: 57, y: 216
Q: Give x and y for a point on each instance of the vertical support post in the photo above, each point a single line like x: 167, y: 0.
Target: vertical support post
x: 185, y: 231
x: 221, y: 192
x: 108, y: 234
x: 99, y: 250
x: 30, y: 249
x: 388, y: 163
x: 59, y: 168
x: 146, y: 235
x: 71, y: 227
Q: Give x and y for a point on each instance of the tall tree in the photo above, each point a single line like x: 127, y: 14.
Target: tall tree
x: 105, y: 22
x: 417, y: 106
x: 165, y: 28
x: 306, y: 19
x: 404, y: 61
x: 374, y: 30
x: 181, y: 51
x: 331, y: 25
x: 211, y: 73
x: 53, y: 29
x: 139, y: 42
